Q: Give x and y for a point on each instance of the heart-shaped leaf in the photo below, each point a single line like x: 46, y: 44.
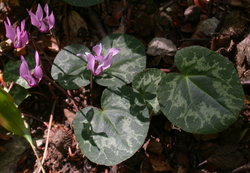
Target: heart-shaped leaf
x: 11, y: 71
x: 70, y: 70
x: 113, y: 134
x: 147, y: 83
x: 83, y: 3
x: 126, y: 64
x: 206, y: 96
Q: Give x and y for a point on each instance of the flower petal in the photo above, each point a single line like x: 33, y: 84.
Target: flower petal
x: 10, y: 30
x: 108, y: 61
x: 23, y: 25
x: 24, y: 71
x: 91, y: 62
x: 43, y: 27
x: 46, y: 9
x: 34, y: 20
x: 51, y: 20
x: 113, y: 51
x: 24, y: 38
x: 39, y: 12
x: 97, y: 49
x: 98, y: 71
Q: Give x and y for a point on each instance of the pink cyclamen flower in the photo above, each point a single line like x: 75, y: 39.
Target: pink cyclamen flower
x: 43, y: 24
x: 98, y: 63
x: 18, y: 35
x: 32, y: 78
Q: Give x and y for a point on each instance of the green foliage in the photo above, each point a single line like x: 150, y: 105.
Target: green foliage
x: 70, y: 70
x: 10, y: 116
x: 114, y: 133
x: 11, y: 71
x: 206, y: 96
x: 126, y: 64
x: 147, y: 83
x: 83, y: 3
x: 18, y: 93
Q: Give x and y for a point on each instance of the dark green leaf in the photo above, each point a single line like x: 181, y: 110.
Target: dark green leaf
x: 147, y: 83
x: 113, y: 134
x: 70, y: 70
x: 206, y: 96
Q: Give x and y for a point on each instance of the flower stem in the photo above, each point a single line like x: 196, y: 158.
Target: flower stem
x: 28, y: 138
x: 91, y: 89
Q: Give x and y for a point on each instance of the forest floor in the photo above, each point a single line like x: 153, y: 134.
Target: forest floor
x: 222, y: 26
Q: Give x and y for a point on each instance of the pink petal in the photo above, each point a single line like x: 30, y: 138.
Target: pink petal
x: 34, y: 20
x: 24, y: 38
x: 43, y: 27
x: 91, y: 62
x: 23, y: 25
x: 39, y: 12
x: 97, y: 49
x: 38, y: 73
x: 113, y: 51
x: 37, y: 58
x: 108, y: 61
x: 46, y: 9
x: 98, y: 71
x: 10, y: 31
x: 24, y: 69
x: 51, y: 21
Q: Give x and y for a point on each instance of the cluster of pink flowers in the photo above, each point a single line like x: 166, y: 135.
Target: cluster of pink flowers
x: 19, y: 37
x: 98, y: 62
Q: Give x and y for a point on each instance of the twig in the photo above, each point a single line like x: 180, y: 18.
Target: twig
x: 48, y: 134
x: 243, y: 168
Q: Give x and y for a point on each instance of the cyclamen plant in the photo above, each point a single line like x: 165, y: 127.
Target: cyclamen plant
x: 18, y: 35
x: 43, y: 24
x: 204, y: 96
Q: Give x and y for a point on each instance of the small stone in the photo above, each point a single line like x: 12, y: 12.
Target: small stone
x: 208, y: 26
x: 161, y: 46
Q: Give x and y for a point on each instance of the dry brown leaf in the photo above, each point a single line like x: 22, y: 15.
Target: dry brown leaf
x: 243, y: 57
x: 69, y: 115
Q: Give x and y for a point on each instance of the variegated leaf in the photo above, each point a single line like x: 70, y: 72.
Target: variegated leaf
x: 70, y: 70
x: 114, y: 133
x: 126, y: 64
x: 206, y: 96
x: 147, y: 83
